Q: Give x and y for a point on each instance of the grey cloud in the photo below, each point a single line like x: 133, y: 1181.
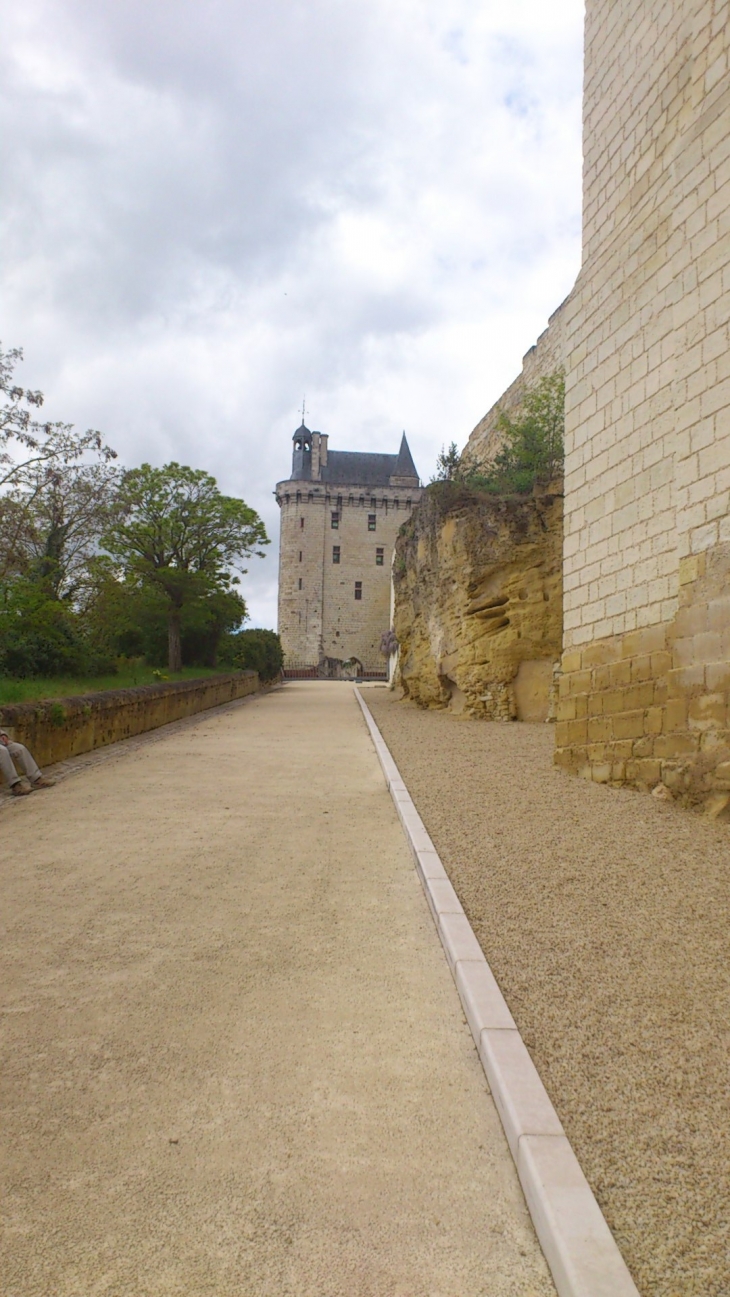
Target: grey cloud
x: 210, y: 210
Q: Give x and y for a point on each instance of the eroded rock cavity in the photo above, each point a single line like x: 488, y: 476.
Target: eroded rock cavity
x: 478, y: 603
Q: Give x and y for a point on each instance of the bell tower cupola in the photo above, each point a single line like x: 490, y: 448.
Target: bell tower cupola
x: 301, y: 468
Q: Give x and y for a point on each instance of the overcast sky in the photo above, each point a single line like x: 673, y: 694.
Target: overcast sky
x: 212, y: 209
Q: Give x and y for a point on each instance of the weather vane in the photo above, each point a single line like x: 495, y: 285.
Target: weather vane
x: 304, y: 409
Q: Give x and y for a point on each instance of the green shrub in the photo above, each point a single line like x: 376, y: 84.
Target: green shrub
x: 253, y: 650
x: 532, y: 450
x: 43, y: 636
x: 531, y: 455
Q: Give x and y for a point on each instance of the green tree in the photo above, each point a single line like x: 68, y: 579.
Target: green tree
x: 28, y: 443
x: 128, y: 619
x: 52, y: 483
x: 254, y: 650
x: 176, y: 533
x: 448, y: 464
x: 531, y: 452
x: 125, y: 618
x: 52, y: 522
x: 206, y: 622
x: 43, y: 636
x: 532, y: 448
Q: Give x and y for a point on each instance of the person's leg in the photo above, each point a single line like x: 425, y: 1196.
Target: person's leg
x: 21, y: 756
x: 7, y: 769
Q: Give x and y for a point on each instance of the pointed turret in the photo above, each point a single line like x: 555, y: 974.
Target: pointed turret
x: 405, y: 472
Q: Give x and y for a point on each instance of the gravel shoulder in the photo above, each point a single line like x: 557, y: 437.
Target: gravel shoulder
x: 604, y: 917
x: 233, y: 1058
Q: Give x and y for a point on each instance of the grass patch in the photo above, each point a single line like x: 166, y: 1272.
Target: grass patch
x: 31, y: 691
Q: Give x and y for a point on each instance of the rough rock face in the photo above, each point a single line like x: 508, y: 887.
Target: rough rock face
x: 478, y: 602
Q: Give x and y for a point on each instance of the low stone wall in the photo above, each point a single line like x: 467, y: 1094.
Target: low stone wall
x: 65, y: 727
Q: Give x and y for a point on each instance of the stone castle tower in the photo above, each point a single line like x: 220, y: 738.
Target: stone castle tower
x: 340, y: 514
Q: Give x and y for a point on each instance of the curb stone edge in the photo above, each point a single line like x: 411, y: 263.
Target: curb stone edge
x: 579, y: 1248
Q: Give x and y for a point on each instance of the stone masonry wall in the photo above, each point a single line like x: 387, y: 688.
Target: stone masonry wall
x: 647, y: 473
x: 301, y: 546
x: 322, y: 618
x: 353, y: 627
x: 653, y: 705
x: 65, y: 727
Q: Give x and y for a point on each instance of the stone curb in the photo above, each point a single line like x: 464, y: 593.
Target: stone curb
x: 578, y: 1245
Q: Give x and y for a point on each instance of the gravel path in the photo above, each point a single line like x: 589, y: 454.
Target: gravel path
x: 604, y: 916
x: 233, y: 1058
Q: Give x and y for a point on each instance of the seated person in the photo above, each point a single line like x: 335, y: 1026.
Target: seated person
x: 10, y: 753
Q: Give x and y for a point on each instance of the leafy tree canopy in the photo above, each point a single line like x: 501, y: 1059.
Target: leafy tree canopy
x: 96, y: 562
x: 177, y: 532
x: 26, y: 442
x: 254, y: 650
x: 51, y: 524
x: 42, y: 636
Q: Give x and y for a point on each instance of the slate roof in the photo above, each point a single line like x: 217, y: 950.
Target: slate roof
x: 358, y: 468
x: 368, y: 468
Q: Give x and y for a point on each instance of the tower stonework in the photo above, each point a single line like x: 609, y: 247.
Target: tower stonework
x: 340, y: 514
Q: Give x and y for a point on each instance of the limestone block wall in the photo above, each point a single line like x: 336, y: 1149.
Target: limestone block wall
x: 653, y: 705
x: 353, y: 627
x: 477, y: 603
x: 647, y: 339
x: 65, y: 727
x: 322, y: 618
x: 544, y: 358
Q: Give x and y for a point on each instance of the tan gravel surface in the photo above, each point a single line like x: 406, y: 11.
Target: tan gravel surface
x: 604, y: 917
x: 233, y: 1059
